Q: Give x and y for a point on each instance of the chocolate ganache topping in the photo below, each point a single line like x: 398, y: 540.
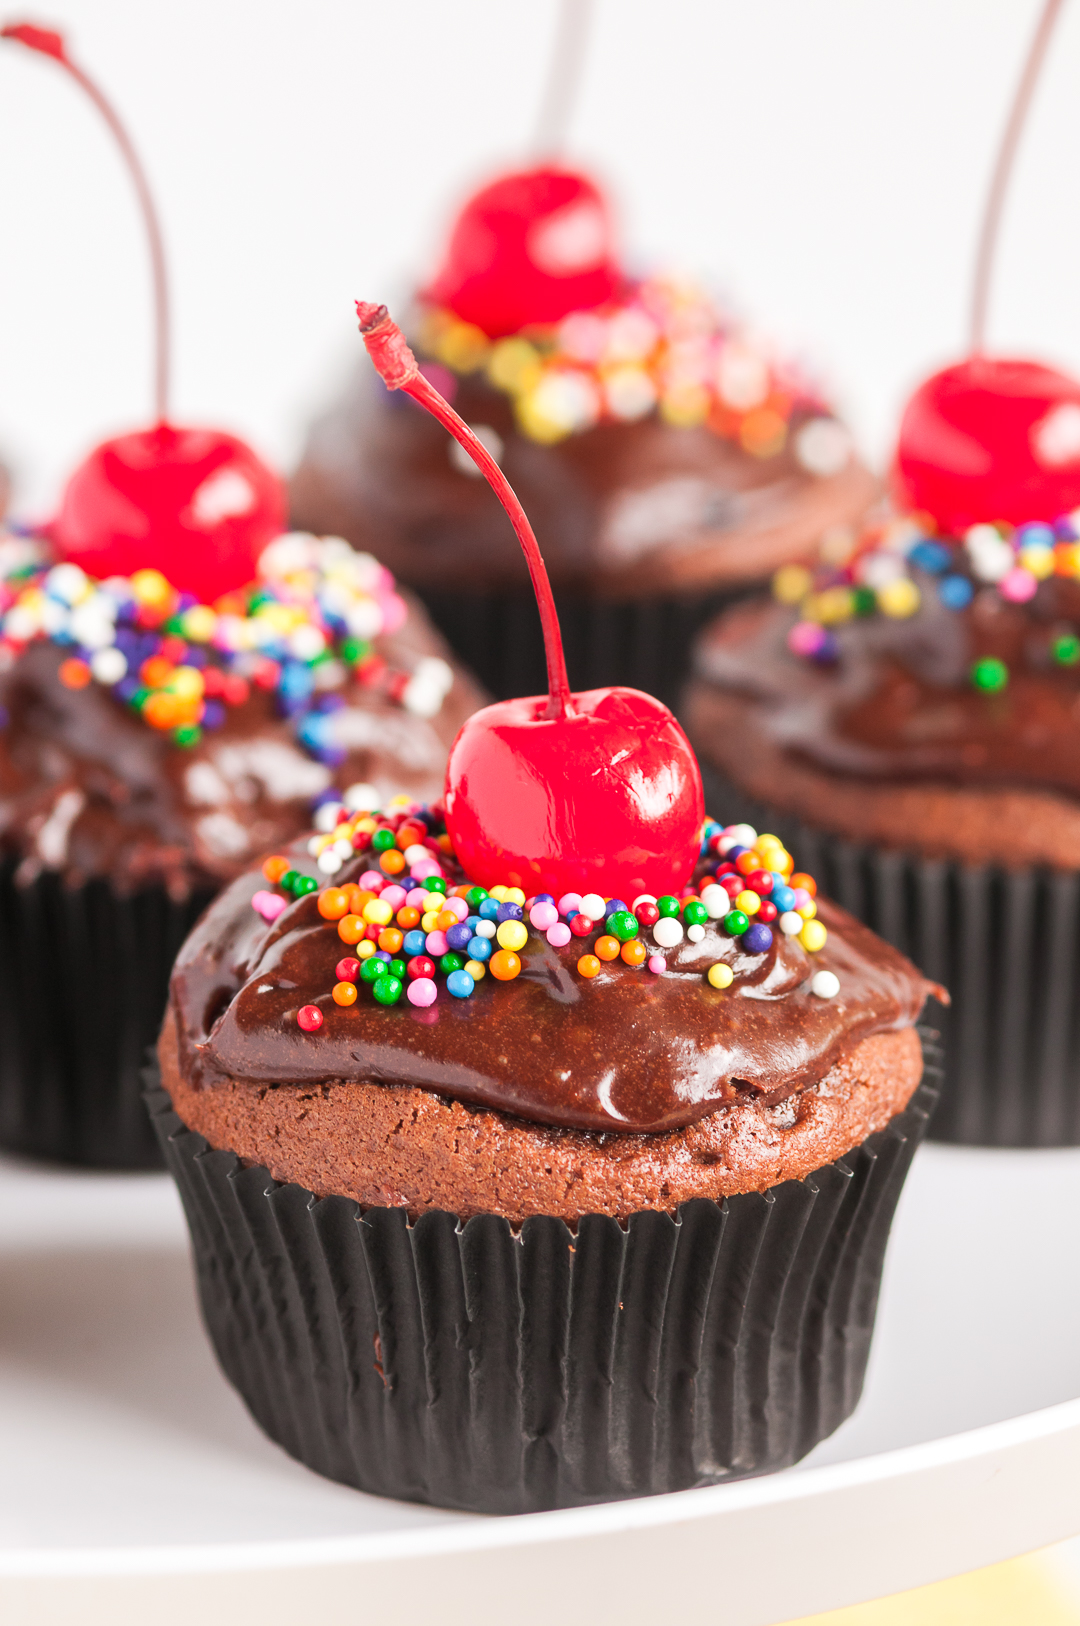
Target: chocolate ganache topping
x: 967, y: 671
x: 621, y: 1050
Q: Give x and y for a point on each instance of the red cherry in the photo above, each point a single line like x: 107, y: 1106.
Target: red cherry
x: 991, y: 440
x: 196, y: 504
x: 527, y: 250
x: 608, y: 796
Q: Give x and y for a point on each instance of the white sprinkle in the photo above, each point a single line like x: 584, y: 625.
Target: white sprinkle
x: 487, y: 928
x: 825, y: 984
x: 823, y: 447
x: 592, y: 906
x: 791, y: 923
x: 329, y: 861
x: 668, y: 931
x: 695, y: 933
x: 642, y: 897
x: 717, y: 901
x: 743, y: 835
x: 109, y: 665
x: 362, y: 798
x: 326, y: 817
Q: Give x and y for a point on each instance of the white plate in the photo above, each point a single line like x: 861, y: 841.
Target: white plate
x: 135, y: 1488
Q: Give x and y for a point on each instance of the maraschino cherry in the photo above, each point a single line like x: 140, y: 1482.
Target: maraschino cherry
x: 530, y: 248
x: 196, y: 504
x: 560, y: 792
x: 992, y: 438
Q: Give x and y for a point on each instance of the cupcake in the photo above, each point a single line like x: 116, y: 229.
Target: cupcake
x: 548, y: 1154
x: 668, y: 459
x: 907, y: 715
x: 152, y: 745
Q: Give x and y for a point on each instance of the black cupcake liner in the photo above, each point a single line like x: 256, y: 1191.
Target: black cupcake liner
x: 497, y: 1369
x: 644, y: 643
x: 1005, y: 943
x: 84, y: 977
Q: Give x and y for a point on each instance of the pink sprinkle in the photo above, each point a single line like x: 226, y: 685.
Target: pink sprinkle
x: 457, y: 906
x: 802, y: 898
x: 657, y: 964
x: 543, y: 915
x: 568, y: 901
x: 559, y: 935
x: 269, y: 904
x: 393, y: 895
x: 1018, y: 586
x: 436, y: 943
x: 395, y: 612
x: 421, y: 991
x: 806, y: 638
x: 372, y: 881
x: 426, y: 867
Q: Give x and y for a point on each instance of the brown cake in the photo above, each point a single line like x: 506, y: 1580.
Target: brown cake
x: 667, y: 458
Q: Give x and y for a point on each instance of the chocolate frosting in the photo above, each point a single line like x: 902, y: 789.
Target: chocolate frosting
x: 626, y: 1051
x: 898, y: 703
x: 88, y: 788
x: 619, y: 510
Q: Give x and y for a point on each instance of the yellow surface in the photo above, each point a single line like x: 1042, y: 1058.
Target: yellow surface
x: 1024, y: 1592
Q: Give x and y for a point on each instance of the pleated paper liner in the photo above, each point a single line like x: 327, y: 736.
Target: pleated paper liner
x: 501, y: 1370
x: 643, y: 643
x: 83, y: 982
x: 1005, y: 943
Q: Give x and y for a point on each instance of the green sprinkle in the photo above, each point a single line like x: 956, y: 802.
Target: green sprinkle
x: 187, y: 734
x: 383, y: 840
x: 735, y: 923
x: 451, y: 962
x: 668, y: 906
x: 388, y: 990
x: 354, y: 650
x: 289, y: 879
x: 622, y: 925
x: 305, y: 884
x: 695, y: 913
x: 475, y: 896
x: 1066, y: 649
x: 435, y: 883
x: 864, y: 600
x: 989, y: 674
x: 372, y: 969
x: 394, y: 968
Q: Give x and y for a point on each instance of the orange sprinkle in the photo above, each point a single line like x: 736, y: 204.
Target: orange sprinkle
x: 505, y: 965
x: 392, y: 862
x: 345, y: 993
x: 163, y: 710
x: 74, y: 674
x: 445, y: 845
x: 634, y: 952
x: 460, y: 891
x: 274, y: 869
x: 410, y: 835
x: 407, y: 917
x: 156, y: 671
x: 807, y: 883
x: 588, y: 965
x: 607, y: 948
x: 446, y: 919
x: 358, y: 897
x: 333, y: 903
x: 351, y: 929
x: 747, y: 863
x: 390, y: 939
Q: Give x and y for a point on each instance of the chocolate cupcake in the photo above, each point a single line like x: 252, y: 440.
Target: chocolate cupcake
x: 596, y: 1215
x: 668, y: 460
x: 907, y: 716
x: 603, y: 1212
x: 152, y: 745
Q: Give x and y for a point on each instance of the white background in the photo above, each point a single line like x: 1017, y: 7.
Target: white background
x: 823, y: 160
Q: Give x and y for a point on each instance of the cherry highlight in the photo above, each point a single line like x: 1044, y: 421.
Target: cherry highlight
x: 51, y: 44
x: 398, y: 368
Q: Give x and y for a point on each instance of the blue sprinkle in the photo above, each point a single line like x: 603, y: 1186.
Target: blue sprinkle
x: 569, y: 915
x: 506, y: 911
x: 459, y: 937
x: 414, y: 943
x: 615, y: 906
x: 1035, y: 536
x: 380, y: 955
x: 472, y: 921
x: 408, y: 883
x: 733, y: 853
x: 489, y: 909
x: 460, y: 984
x: 931, y: 556
x: 756, y: 939
x: 955, y: 592
x: 479, y: 948
x: 783, y: 897
x: 544, y: 897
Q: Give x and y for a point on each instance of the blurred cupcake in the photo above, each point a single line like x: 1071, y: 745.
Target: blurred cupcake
x: 563, y: 1200
x: 907, y: 714
x: 152, y: 745
x: 668, y: 457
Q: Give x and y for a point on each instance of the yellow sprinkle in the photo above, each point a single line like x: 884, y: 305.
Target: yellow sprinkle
x: 791, y: 584
x: 187, y: 683
x: 833, y: 605
x: 512, y: 934
x: 898, y: 599
x: 364, y: 949
x: 813, y: 936
x: 150, y: 587
x: 428, y: 920
x: 476, y: 969
x: 1039, y: 560
x: 685, y: 406
x: 808, y: 910
x: 749, y: 902
x: 514, y: 366
x: 199, y: 623
x: 463, y: 347
x: 378, y: 913
x: 514, y: 894
x: 498, y: 893
x: 721, y: 975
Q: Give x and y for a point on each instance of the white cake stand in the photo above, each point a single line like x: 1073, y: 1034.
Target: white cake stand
x: 135, y: 1489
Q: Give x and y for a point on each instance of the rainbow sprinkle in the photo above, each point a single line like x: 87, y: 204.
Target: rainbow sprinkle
x: 403, y: 925
x: 901, y: 565
x: 302, y: 631
x: 663, y: 347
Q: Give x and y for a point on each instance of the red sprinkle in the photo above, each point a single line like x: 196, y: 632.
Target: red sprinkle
x: 767, y: 913
x: 420, y: 966
x: 646, y: 914
x: 581, y: 925
x: 347, y: 970
x: 760, y: 881
x: 310, y: 1018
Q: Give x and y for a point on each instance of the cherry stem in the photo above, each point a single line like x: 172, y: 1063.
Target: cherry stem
x: 1003, y: 168
x: 397, y: 366
x: 563, y: 78
x: 51, y: 44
